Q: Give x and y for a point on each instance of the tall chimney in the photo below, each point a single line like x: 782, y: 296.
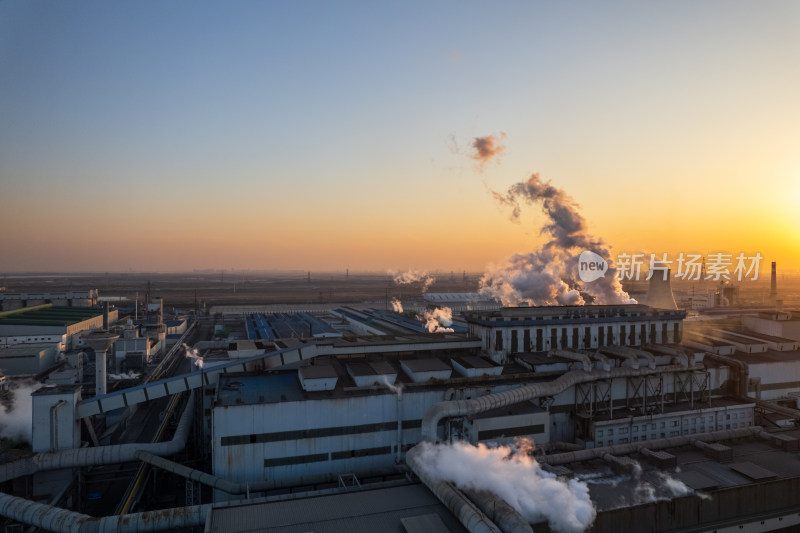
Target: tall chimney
x: 773, y: 286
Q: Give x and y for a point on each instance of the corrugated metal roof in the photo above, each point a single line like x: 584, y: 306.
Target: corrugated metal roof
x: 357, y: 511
x: 426, y: 523
x: 753, y: 471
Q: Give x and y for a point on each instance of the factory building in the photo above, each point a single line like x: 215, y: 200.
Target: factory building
x: 10, y: 301
x: 66, y: 323
x: 628, y: 395
x: 28, y: 359
x: 536, y: 329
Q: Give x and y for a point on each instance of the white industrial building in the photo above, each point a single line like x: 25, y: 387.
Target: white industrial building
x: 535, y: 329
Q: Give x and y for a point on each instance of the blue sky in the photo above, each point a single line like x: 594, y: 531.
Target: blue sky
x: 321, y: 134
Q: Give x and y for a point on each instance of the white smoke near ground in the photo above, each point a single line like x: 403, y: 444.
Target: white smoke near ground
x: 516, y: 477
x: 488, y: 148
x: 645, y: 487
x: 124, y: 375
x: 397, y: 306
x: 413, y: 276
x: 16, y: 422
x: 548, y: 275
x: 192, y: 353
x: 438, y: 320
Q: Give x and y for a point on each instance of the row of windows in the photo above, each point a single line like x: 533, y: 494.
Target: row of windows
x: 333, y: 456
x: 570, y: 337
x: 663, y: 434
x: 257, y: 438
x: 511, y: 432
x: 673, y: 423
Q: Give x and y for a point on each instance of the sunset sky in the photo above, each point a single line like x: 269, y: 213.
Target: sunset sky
x: 329, y: 135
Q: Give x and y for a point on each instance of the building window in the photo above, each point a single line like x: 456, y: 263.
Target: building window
x: 599, y: 432
x: 610, y: 432
x: 675, y: 423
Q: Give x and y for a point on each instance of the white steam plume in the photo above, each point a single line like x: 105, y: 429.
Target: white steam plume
x: 515, y: 476
x: 548, y: 276
x: 438, y: 320
x: 192, y: 353
x: 397, y: 306
x: 397, y: 389
x: 413, y: 276
x: 16, y: 422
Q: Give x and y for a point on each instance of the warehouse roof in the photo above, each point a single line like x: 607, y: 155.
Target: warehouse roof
x: 49, y: 316
x: 409, y: 508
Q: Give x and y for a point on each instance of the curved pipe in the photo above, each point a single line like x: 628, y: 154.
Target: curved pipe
x: 467, y: 513
x: 614, y: 352
x: 605, y: 361
x: 741, y: 366
x: 574, y: 356
x: 680, y: 356
x: 103, y: 455
x: 201, y: 477
x: 631, y: 354
x: 437, y: 412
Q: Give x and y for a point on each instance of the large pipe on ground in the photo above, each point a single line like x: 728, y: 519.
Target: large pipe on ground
x: 472, y: 518
x: 103, y: 455
x: 63, y: 521
x: 441, y: 410
x: 201, y: 477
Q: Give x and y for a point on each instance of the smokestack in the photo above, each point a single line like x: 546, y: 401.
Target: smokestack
x: 659, y: 294
x: 773, y: 286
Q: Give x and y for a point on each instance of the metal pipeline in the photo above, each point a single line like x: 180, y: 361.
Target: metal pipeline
x: 743, y: 373
x: 437, y: 412
x: 63, y: 521
x: 581, y: 358
x: 499, y: 511
x: 103, y: 455
x: 467, y: 512
x: 201, y: 477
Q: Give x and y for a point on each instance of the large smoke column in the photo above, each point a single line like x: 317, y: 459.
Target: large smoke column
x: 16, y: 422
x: 414, y: 276
x: 548, y: 276
x: 487, y: 148
x: 438, y: 320
x: 514, y: 476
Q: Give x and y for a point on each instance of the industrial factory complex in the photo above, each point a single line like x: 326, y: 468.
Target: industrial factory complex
x: 635, y: 417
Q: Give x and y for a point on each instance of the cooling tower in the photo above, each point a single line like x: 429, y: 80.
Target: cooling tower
x: 659, y: 294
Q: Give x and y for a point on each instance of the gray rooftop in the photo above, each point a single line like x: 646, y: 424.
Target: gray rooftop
x: 368, y: 510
